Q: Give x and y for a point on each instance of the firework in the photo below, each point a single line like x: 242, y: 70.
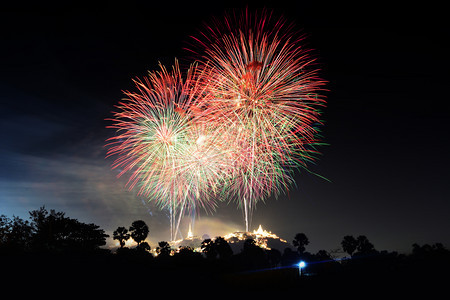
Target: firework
x: 264, y: 96
x: 236, y: 127
x: 171, y: 158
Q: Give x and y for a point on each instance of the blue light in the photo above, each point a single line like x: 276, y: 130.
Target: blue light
x: 301, y: 264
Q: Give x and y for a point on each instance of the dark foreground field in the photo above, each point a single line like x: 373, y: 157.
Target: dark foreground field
x: 111, y: 275
x: 54, y: 256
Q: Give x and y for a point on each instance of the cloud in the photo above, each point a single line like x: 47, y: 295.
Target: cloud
x: 84, y: 188
x: 78, y: 180
x: 214, y: 227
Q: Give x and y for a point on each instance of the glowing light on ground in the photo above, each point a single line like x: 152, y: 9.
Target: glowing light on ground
x: 260, y: 237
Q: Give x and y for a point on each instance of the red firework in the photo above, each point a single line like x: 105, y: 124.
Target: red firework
x: 265, y: 98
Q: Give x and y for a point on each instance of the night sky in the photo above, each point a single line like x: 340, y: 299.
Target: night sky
x: 386, y: 122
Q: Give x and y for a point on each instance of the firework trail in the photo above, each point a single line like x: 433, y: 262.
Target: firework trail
x: 171, y: 158
x: 264, y: 97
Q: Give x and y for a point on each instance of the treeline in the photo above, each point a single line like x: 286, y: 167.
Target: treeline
x: 51, y: 240
x: 49, y: 232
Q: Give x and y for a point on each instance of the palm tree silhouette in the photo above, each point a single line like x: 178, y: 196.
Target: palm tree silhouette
x: 300, y: 241
x: 121, y: 234
x: 139, y: 231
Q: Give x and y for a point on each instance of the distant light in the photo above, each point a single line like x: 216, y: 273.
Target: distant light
x: 301, y: 265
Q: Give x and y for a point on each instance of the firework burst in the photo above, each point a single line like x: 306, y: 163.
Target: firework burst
x: 236, y: 127
x: 171, y: 158
x: 265, y: 97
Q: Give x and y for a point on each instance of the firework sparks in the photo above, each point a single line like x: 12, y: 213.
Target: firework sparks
x: 265, y: 97
x: 236, y: 127
x: 171, y: 158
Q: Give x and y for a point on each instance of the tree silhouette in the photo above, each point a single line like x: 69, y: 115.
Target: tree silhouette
x: 364, y: 246
x: 249, y: 245
x: 53, y: 231
x: 139, y: 231
x: 222, y: 248
x: 300, y: 241
x: 349, y: 244
x: 5, y: 227
x: 357, y: 246
x: 15, y: 234
x: 121, y: 234
x: 218, y: 247
x: 164, y: 249
x: 274, y: 257
x: 254, y: 257
x: 208, y: 247
x: 323, y: 255
x: 289, y: 257
x: 89, y: 236
x: 143, y: 247
x: 436, y: 250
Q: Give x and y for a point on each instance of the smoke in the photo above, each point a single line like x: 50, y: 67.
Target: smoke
x: 214, y: 227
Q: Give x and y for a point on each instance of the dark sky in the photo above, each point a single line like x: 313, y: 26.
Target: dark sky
x: 386, y: 122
